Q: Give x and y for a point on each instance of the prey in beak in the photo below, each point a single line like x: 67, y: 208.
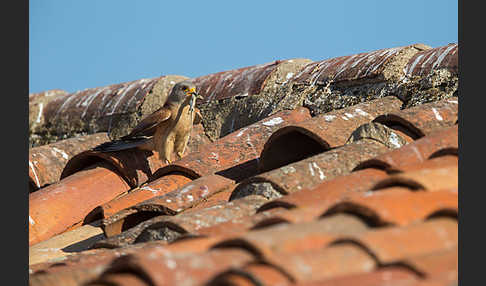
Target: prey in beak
x: 194, y: 96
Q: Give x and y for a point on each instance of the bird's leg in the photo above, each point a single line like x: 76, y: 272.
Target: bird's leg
x: 166, y: 149
x: 180, y: 145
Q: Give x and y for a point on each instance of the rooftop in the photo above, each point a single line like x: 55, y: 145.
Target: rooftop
x: 300, y: 173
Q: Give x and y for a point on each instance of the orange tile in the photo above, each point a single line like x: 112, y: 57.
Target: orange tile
x: 161, y: 267
x: 332, y: 190
x: 381, y: 277
x: 136, y: 166
x: 415, y: 152
x: 422, y: 179
x: 171, y: 227
x: 299, y: 237
x: 233, y: 156
x: 47, y: 162
x: 423, y: 119
x: 55, y: 208
x: 251, y: 275
x: 159, y: 187
x: 393, y: 244
x: 321, y: 132
x: 180, y: 194
x: 325, y: 263
x: 312, y: 171
x: 437, y: 263
x: 402, y: 208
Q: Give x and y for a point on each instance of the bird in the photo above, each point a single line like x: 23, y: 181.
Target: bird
x: 166, y: 130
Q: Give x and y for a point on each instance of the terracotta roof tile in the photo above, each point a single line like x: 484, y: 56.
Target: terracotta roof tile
x: 106, y: 109
x: 55, y: 208
x: 231, y: 156
x: 169, y: 228
x: 173, y: 198
x: 422, y: 63
x: 47, y: 162
x: 76, y: 277
x: 393, y: 244
x: 75, y: 269
x: 192, y: 221
x: 423, y: 179
x: 251, y: 275
x: 67, y: 243
x: 157, y: 266
x: 424, y: 119
x: 239, y: 82
x: 169, y: 187
x: 445, y: 160
x: 237, y: 98
x: 392, y: 207
x: 159, y: 187
x: 370, y: 65
x: 321, y: 132
x: 122, y: 279
x: 134, y: 165
x: 294, y: 238
x: 237, y: 225
x: 319, y: 264
x: 219, y: 157
x: 193, y: 193
x: 366, y: 248
x: 364, y: 192
x: 335, y: 189
x: 415, y: 152
x: 383, y: 276
x: 216, y: 199
x: 310, y: 172
x: 350, y: 194
x: 398, y: 208
x: 437, y: 281
x: 437, y: 263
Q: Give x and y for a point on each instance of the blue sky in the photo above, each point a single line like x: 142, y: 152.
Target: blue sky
x: 76, y: 44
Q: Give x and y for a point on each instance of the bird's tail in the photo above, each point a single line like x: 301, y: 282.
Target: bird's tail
x: 122, y: 144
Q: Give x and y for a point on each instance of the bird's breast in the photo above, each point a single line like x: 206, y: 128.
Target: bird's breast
x: 184, y: 123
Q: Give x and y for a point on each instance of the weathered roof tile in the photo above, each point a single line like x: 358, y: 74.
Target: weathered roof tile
x: 155, y: 266
x: 366, y: 193
x: 320, y: 133
x: 422, y: 63
x: 416, y: 152
x: 367, y: 65
x: 55, y: 208
x: 424, y: 119
x: 47, y: 162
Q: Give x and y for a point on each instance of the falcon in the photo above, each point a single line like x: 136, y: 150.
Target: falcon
x: 166, y: 130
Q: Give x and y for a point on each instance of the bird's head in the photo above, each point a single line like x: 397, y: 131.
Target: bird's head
x: 182, y: 91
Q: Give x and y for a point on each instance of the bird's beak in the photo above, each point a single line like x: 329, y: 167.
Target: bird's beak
x: 192, y: 91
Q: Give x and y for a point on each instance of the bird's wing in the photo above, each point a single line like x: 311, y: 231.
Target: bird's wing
x: 147, y: 126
